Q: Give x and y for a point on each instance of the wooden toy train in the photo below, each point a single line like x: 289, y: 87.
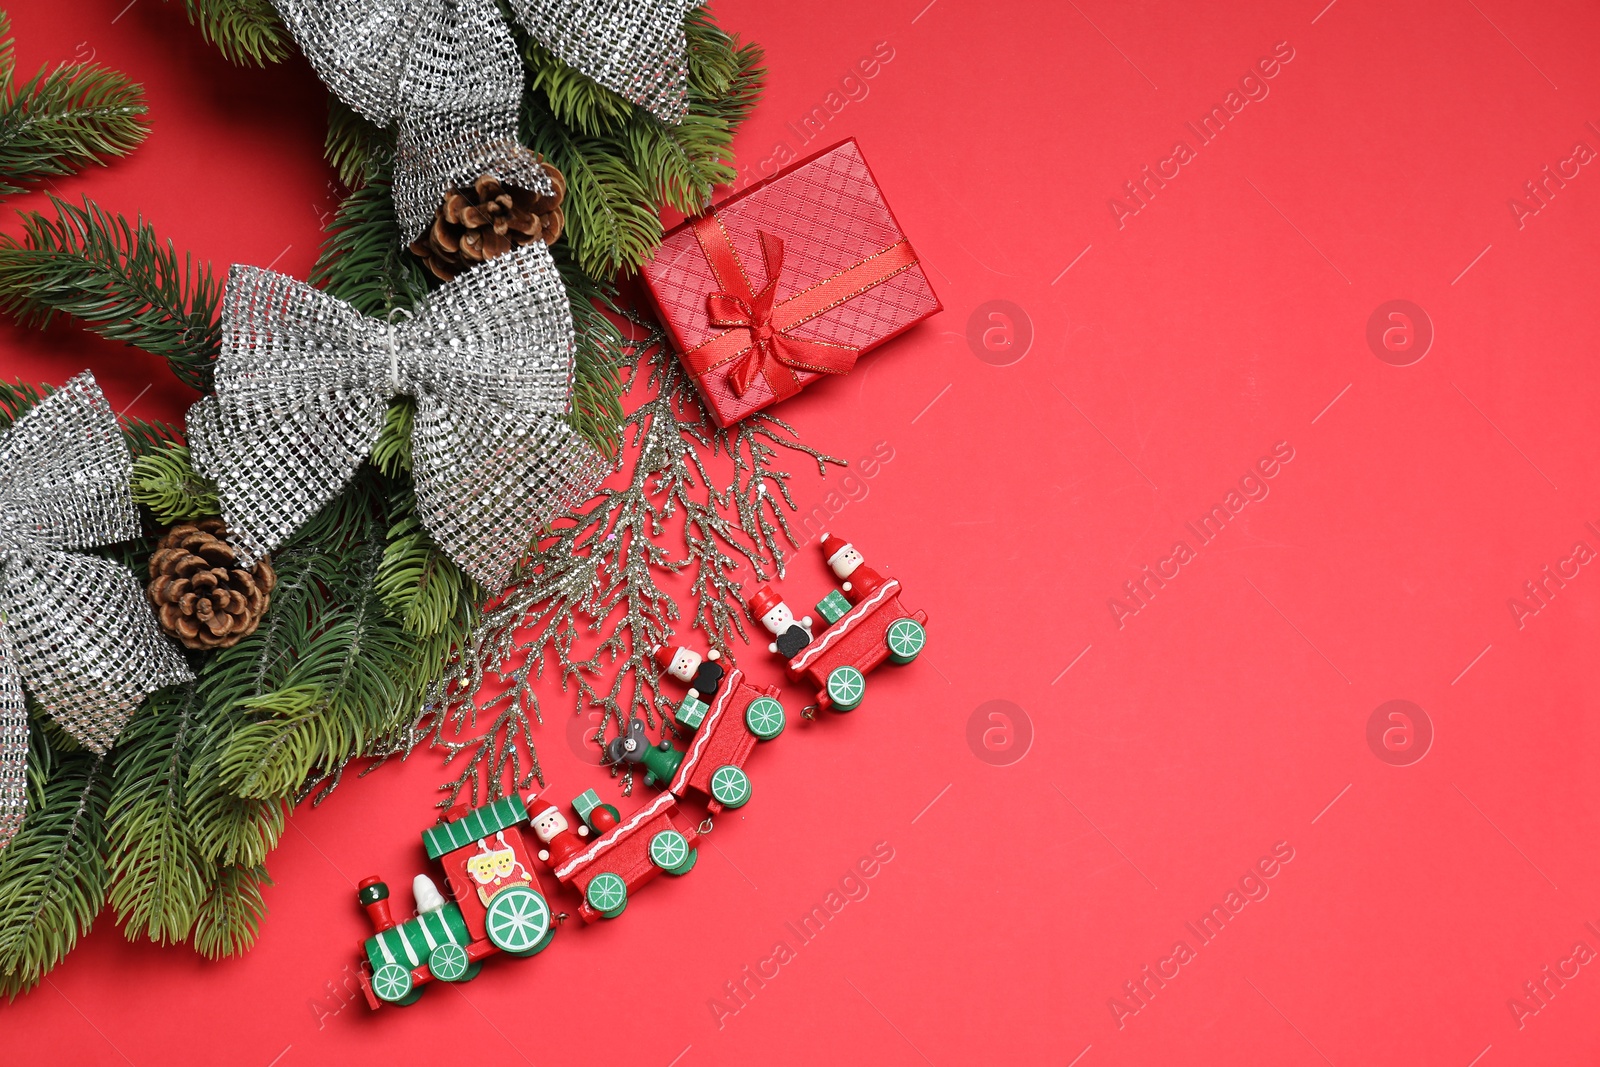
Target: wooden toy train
x: 497, y: 900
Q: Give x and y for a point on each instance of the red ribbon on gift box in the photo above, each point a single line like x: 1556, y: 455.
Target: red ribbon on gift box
x: 757, y: 338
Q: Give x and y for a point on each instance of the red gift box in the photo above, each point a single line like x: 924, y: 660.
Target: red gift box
x: 788, y: 281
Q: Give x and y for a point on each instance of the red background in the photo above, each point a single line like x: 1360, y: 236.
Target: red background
x: 1228, y: 715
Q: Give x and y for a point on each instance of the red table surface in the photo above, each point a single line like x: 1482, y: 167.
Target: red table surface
x: 1147, y: 761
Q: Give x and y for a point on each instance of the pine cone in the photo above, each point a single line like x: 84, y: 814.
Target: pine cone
x: 201, y: 597
x: 488, y: 219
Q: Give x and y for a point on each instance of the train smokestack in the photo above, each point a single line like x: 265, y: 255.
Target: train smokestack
x: 374, y: 896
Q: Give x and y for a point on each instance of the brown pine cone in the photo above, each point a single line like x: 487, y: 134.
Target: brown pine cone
x: 488, y: 219
x: 201, y: 596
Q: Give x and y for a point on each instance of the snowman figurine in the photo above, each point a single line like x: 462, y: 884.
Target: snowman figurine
x: 858, y: 580
x: 702, y: 675
x: 775, y: 615
x: 553, y: 830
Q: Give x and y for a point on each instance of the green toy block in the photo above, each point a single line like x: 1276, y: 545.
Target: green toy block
x: 692, y: 712
x: 584, y: 803
x: 833, y: 606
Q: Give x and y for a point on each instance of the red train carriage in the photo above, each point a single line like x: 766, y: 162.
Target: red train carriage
x: 726, y: 731
x: 857, y: 640
x: 627, y: 855
x: 740, y: 715
x: 498, y: 906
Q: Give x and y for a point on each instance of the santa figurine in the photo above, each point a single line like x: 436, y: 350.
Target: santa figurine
x: 775, y: 615
x: 703, y: 675
x: 858, y: 580
x: 560, y: 843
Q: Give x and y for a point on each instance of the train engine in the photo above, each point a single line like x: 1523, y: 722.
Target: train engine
x: 498, y: 906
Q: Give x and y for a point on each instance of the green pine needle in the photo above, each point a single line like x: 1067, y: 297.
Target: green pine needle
x: 355, y: 148
x: 573, y: 98
x: 230, y: 915
x: 53, y: 875
x: 63, y: 119
x: 361, y: 261
x: 244, y: 31
x: 165, y: 482
x: 159, y: 876
x: 119, y: 279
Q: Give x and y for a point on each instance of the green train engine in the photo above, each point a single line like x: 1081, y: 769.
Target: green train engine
x: 498, y: 906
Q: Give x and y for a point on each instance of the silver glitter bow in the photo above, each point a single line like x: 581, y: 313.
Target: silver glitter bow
x: 304, y: 381
x: 635, y: 48
x: 447, y: 74
x: 77, y: 630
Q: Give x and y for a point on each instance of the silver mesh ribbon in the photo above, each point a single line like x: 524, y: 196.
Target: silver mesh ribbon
x: 304, y: 381
x: 77, y: 631
x: 635, y: 48
x: 445, y: 72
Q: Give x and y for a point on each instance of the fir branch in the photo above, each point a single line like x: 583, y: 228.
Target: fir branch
x: 17, y: 399
x: 165, y: 482
x: 53, y: 874
x: 356, y: 148
x: 422, y: 587
x: 602, y: 353
x: 230, y: 916
x: 574, y: 99
x: 244, y: 31
x: 64, y: 118
x: 362, y: 262
x: 682, y: 164
x: 159, y: 877
x: 119, y: 279
x: 611, y: 219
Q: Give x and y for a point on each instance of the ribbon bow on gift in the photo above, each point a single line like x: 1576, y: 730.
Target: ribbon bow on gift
x: 77, y: 631
x: 303, y: 387
x: 447, y: 73
x: 758, y: 341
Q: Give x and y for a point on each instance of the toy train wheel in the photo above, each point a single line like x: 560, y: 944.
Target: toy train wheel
x: 846, y: 688
x: 764, y: 716
x: 518, y: 921
x: 449, y: 963
x: 730, y: 786
x: 905, y: 639
x: 607, y: 894
x: 393, y: 984
x: 670, y: 851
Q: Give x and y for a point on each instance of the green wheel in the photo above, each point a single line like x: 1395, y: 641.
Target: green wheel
x: 905, y: 640
x: 669, y: 850
x: 846, y: 688
x: 764, y: 716
x: 392, y: 982
x: 607, y: 894
x: 518, y: 920
x: 449, y: 962
x: 730, y: 786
